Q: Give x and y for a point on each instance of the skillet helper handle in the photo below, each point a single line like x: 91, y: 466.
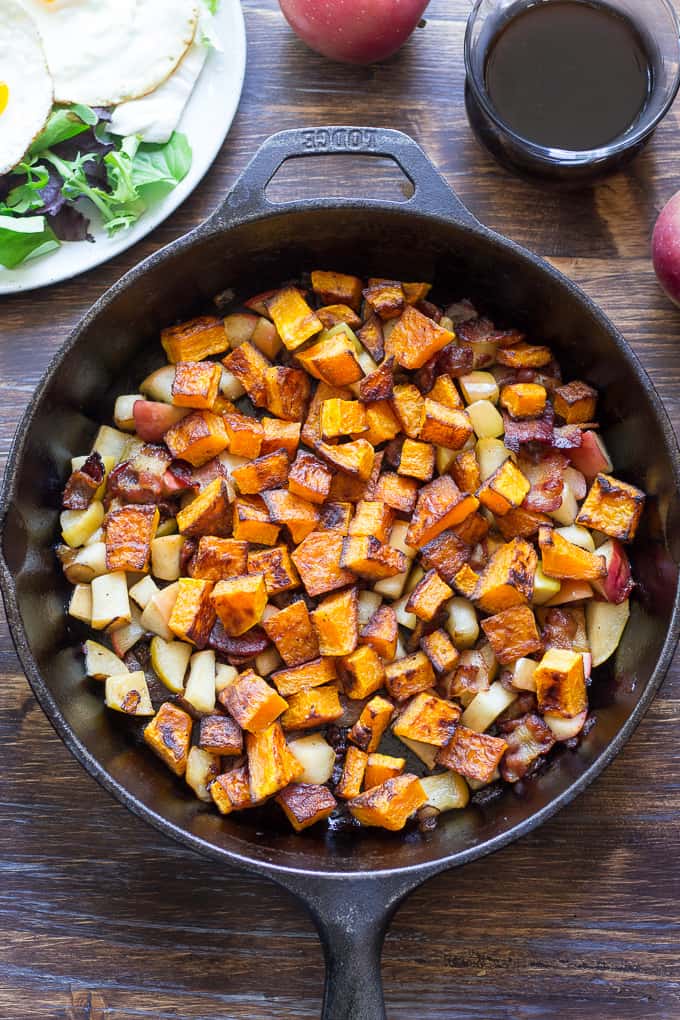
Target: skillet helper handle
x: 247, y: 199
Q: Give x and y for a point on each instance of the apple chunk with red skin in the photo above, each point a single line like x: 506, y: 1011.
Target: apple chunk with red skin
x: 617, y: 584
x: 153, y: 419
x: 591, y: 457
x: 354, y: 31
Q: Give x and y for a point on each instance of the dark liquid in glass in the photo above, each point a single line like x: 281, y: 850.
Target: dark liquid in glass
x: 568, y: 74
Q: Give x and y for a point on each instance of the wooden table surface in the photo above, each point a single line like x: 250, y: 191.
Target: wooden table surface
x: 102, y: 918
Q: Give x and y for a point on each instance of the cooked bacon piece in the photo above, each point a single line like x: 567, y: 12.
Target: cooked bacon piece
x: 529, y: 430
x: 528, y: 739
x: 475, y: 331
x: 547, y: 481
x: 243, y: 648
x: 83, y: 483
x: 564, y: 628
x: 567, y: 437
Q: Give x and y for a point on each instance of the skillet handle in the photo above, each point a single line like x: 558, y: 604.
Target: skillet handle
x: 247, y: 199
x: 352, y: 916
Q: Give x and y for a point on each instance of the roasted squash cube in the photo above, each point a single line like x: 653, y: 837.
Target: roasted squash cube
x: 217, y: 559
x: 381, y: 633
x: 560, y: 683
x: 440, y: 505
x: 231, y: 791
x: 374, y: 719
x: 372, y: 517
x: 524, y: 400
x: 193, y: 614
x: 513, y: 634
x: 566, y: 561
x: 331, y: 315
x: 391, y: 805
x: 342, y: 418
x: 309, y: 478
x: 311, y: 430
x: 271, y: 763
x: 305, y: 677
x: 508, y: 578
x: 286, y: 392
x: 363, y: 673
x: 575, y: 402
x: 355, y: 458
x: 336, y: 622
x: 220, y: 734
x: 335, y: 517
x: 196, y: 384
x: 267, y: 472
x: 416, y: 292
x: 472, y: 530
x: 197, y: 438
x: 473, y: 755
x: 397, y: 492
x: 295, y: 321
x: 428, y: 596
x: 332, y: 359
x: 408, y: 676
x: 245, y: 435
x: 317, y: 559
x: 408, y: 404
x: 382, y: 423
x: 524, y: 355
x: 169, y: 736
x: 251, y: 521
x: 417, y: 460
x: 280, y: 435
x: 277, y: 568
x: 239, y: 602
x: 447, y: 554
x: 370, y: 558
x: 312, y: 708
x: 249, y: 365
x: 378, y: 385
x: 208, y: 513
x: 380, y: 768
x: 466, y: 581
x: 465, y: 471
x: 252, y: 702
x: 416, y: 338
x: 446, y: 392
x: 305, y: 804
x: 505, y: 489
x: 385, y: 297
x: 440, y: 650
x: 299, y: 516
x: 292, y: 632
x: 429, y: 719
x: 352, y: 775
x: 613, y: 507
x: 129, y: 532
x: 195, y: 339
x: 521, y: 523
x: 372, y: 338
x: 337, y: 288
x: 445, y: 426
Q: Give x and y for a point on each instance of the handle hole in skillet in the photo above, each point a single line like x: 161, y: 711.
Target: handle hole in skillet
x: 341, y: 176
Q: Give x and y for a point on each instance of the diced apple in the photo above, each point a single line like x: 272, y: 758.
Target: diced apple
x: 479, y: 386
x: 159, y: 610
x: 101, y: 662
x: 87, y: 563
x: 404, y: 618
x: 571, y: 591
x: 491, y: 453
x: 486, y: 421
x: 202, y: 768
x: 126, y: 637
x: 158, y: 385
x: 565, y: 729
x: 545, y: 588
x: 110, y: 602
x: 128, y: 693
x: 568, y: 508
x: 591, y: 458
x: 80, y: 604
x: 523, y: 674
x: 230, y: 387
x: 170, y: 660
x: 166, y: 554
x: 200, y: 688
x: 123, y: 411
x: 268, y: 662
x: 391, y: 587
x: 447, y: 791
x: 369, y: 602
x: 444, y: 458
x: 224, y: 676
x: 316, y: 756
x: 605, y: 624
x: 577, y: 535
x: 577, y: 482
x: 153, y: 419
x: 462, y: 624
x: 78, y: 525
x: 239, y: 327
x: 110, y: 443
x: 487, y: 706
x: 426, y: 752
x: 143, y: 591
x: 618, y: 583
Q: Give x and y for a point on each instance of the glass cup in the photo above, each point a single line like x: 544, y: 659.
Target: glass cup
x: 658, y: 28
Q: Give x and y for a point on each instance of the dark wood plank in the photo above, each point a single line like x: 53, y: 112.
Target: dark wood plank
x: 103, y: 919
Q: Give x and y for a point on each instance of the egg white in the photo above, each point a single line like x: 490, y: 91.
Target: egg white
x: 104, y: 52
x: 25, y: 84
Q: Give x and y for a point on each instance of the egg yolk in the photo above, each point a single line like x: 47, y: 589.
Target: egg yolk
x: 4, y: 96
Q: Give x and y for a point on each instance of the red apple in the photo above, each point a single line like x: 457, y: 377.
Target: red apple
x: 152, y: 419
x: 591, y: 457
x: 618, y: 583
x: 666, y: 248
x: 354, y: 31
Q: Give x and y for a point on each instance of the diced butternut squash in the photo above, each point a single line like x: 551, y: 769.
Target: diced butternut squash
x: 331, y: 315
x: 465, y: 471
x: 342, y: 418
x: 239, y: 602
x: 429, y: 719
x: 417, y: 460
x: 305, y: 677
x: 397, y: 492
x: 445, y: 426
x: 271, y: 763
x: 280, y: 435
x: 363, y: 673
x: 521, y: 523
x: 445, y: 392
x: 416, y: 292
x: 408, y: 404
x: 292, y: 632
x: 286, y: 392
x: 193, y: 614
x: 355, y: 458
x: 560, y: 683
x: 298, y: 515
x: 612, y: 507
x: 245, y: 435
x: 317, y: 559
x: 252, y: 702
x: 391, y: 805
x: 332, y: 359
x: 447, y: 554
x: 129, y: 532
x: 295, y: 321
x: 336, y: 623
x: 220, y: 734
x: 208, y: 513
x: 352, y: 776
x: 337, y: 288
x: 382, y: 422
x: 466, y: 581
x: 197, y: 438
x: 380, y: 768
x: 372, y: 518
x: 508, y: 578
x: 566, y: 561
x: 523, y: 355
x: 311, y: 708
x: 513, y: 634
x: 196, y: 384
x: 378, y: 385
x: 309, y: 478
x: 231, y: 791
x: 575, y: 402
x: 408, y: 676
x: 252, y: 523
x: 266, y: 472
x: 249, y: 366
x: 440, y: 650
x: 370, y: 558
x: 195, y: 339
x: 217, y: 559
x: 385, y: 297
x: 381, y: 633
x: 276, y: 567
x: 473, y: 755
x: 335, y: 517
x: 505, y: 490
x: 169, y: 736
x: 374, y: 719
x: 440, y: 505
x: 416, y: 338
x: 428, y: 596
x: 524, y: 400
x: 304, y: 804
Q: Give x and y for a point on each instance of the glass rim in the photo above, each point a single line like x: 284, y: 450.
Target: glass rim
x: 573, y: 157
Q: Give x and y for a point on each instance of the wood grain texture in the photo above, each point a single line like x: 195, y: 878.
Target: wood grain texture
x: 103, y: 919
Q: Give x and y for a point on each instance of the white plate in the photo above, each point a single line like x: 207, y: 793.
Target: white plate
x: 206, y: 120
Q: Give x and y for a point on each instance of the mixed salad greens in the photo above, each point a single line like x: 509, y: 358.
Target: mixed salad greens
x: 76, y: 160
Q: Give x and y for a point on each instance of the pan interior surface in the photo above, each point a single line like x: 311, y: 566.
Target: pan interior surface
x: 118, y: 343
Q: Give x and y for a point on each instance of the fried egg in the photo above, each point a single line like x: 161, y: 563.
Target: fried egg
x: 25, y: 84
x: 104, y: 52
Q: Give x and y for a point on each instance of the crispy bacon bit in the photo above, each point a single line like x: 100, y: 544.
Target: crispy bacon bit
x: 454, y: 361
x: 189, y: 547
x: 475, y: 331
x: 462, y: 311
x: 567, y: 437
x: 533, y: 430
x: 83, y: 483
x: 432, y: 311
x: 245, y: 647
x: 178, y: 479
x: 561, y: 628
x: 547, y: 481
x: 140, y: 480
x: 528, y: 739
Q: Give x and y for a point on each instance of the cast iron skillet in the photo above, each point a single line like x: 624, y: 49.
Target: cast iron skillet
x: 351, y: 883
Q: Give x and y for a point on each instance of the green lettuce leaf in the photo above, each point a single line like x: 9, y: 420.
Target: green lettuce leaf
x: 64, y: 122
x: 24, y: 238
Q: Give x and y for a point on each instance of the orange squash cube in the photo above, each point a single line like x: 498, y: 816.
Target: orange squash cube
x: 231, y: 791
x: 295, y: 321
x: 280, y: 435
x: 208, y: 513
x: 252, y: 702
x: 363, y: 673
x: 428, y: 596
x: 560, y: 683
x: 249, y: 365
x: 299, y: 516
x: 305, y: 804
x: 473, y: 755
x: 398, y: 492
x: 220, y: 734
x: 332, y: 359
x: 331, y: 315
x: 521, y: 523
x: 473, y: 529
x: 613, y: 507
x: 441, y: 651
x: 197, y: 438
x: 466, y: 581
x: 128, y: 534
x: 508, y: 578
x: 336, y: 622
x: 380, y: 768
x: 193, y: 615
x: 417, y: 460
x: 337, y: 288
x: 276, y: 567
x: 239, y: 602
x: 391, y: 805
x: 312, y: 708
x: 286, y: 392
x: 408, y: 676
x: 408, y: 404
x: 374, y: 719
x: 440, y: 505
x: 524, y: 355
x: 294, y: 636
x: 447, y: 554
x: 446, y: 392
x: 367, y: 557
x: 354, y: 458
x: 352, y: 776
x: 251, y: 521
x: 385, y: 297
x: 429, y: 719
x: 245, y: 435
x: 524, y: 400
x: 317, y: 559
x: 271, y: 763
x: 575, y: 402
x: 196, y: 384
x: 195, y: 339
x: 378, y: 385
x: 342, y: 418
x: 335, y: 517
x: 309, y: 478
x: 505, y: 489
x: 381, y: 633
x: 415, y: 292
x: 445, y: 426
x: 381, y: 421
x: 416, y: 338
x: 513, y: 634
x: 267, y: 472
x: 372, y: 517
x: 311, y: 430
x: 169, y: 736
x: 566, y: 561
x: 217, y: 559
x: 305, y: 677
